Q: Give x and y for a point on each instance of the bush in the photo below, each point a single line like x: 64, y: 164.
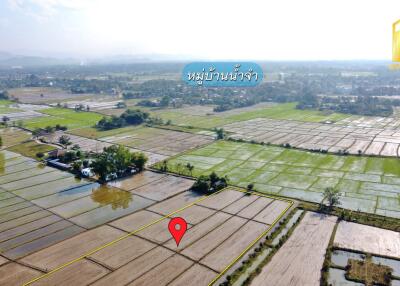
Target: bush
x: 40, y: 155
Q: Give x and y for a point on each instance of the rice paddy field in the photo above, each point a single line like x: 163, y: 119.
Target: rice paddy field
x: 5, y: 107
x: 157, y: 140
x: 65, y: 117
x: 40, y: 205
x: 279, y: 111
x: 31, y: 149
x: 96, y: 146
x: 196, y: 117
x: 219, y: 228
x: 49, y: 218
x: 45, y: 95
x: 300, y: 259
x: 367, y: 184
x: 12, y: 136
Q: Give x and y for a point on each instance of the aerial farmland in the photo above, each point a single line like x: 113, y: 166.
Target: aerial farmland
x: 270, y: 193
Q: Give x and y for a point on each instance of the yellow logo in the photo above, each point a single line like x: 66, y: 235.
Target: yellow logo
x: 396, y: 41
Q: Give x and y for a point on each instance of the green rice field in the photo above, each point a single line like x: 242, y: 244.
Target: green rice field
x: 280, y: 111
x: 367, y: 184
x: 5, y: 107
x: 66, y: 117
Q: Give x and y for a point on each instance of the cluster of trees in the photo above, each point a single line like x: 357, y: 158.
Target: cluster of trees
x: 129, y: 117
x: 48, y: 129
x: 64, y: 140
x: 116, y: 161
x: 209, y: 184
x: 361, y: 105
x: 228, y: 102
x: 308, y: 100
x: 4, y: 95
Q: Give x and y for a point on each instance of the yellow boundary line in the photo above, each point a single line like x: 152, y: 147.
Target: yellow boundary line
x: 161, y: 219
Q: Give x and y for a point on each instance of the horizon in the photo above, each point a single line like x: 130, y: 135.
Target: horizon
x: 93, y: 29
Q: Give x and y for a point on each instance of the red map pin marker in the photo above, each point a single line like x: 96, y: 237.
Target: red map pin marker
x: 177, y: 227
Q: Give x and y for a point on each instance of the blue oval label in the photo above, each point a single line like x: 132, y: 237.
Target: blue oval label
x: 222, y: 74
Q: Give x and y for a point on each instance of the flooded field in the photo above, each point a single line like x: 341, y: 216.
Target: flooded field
x: 40, y: 206
x: 340, y: 260
x: 215, y: 237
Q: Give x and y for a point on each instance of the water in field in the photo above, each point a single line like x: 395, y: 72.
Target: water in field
x: 394, y: 264
x: 337, y: 278
x: 395, y: 282
x: 340, y: 257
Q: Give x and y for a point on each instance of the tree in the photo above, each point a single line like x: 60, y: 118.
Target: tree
x: 201, y: 185
x: 49, y: 129
x: 36, y: 132
x: 190, y: 168
x: 64, y: 140
x: 332, y: 195
x: 40, y: 155
x: 121, y: 104
x: 220, y: 133
x: 107, y: 123
x: 164, y: 166
x: 77, y: 166
x: 117, y: 160
x: 139, y: 160
x: 5, y: 119
x: 4, y: 95
x: 209, y: 184
x: 178, y: 168
x: 134, y: 117
x: 164, y: 102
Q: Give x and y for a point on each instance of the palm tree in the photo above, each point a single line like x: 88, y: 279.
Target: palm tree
x: 190, y: 168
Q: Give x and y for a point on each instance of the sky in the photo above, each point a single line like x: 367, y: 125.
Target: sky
x: 207, y: 29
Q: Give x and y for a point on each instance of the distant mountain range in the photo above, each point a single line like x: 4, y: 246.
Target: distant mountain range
x: 8, y: 60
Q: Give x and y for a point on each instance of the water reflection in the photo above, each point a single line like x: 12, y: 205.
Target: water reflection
x: 105, y: 195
